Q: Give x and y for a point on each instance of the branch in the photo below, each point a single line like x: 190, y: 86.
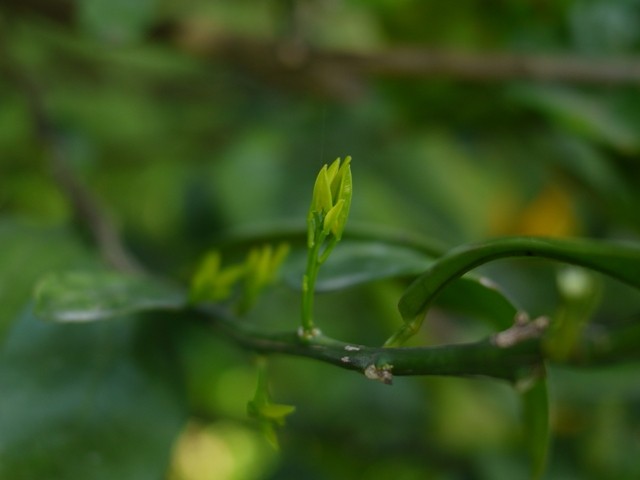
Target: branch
x: 88, y: 211
x: 513, y: 360
x: 484, y: 358
x: 496, y: 66
x: 342, y: 74
x: 292, y: 64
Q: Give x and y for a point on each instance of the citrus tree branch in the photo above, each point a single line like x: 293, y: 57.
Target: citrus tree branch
x: 483, y: 358
x: 342, y: 73
x: 89, y: 213
x: 490, y: 357
x: 292, y: 63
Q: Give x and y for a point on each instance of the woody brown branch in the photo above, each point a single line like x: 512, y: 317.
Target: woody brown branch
x: 291, y: 64
x: 346, y: 71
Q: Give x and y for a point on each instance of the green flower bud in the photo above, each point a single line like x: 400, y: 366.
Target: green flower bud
x: 331, y: 200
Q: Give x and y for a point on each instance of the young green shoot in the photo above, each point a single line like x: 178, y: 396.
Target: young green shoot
x: 214, y: 283
x: 269, y: 415
x: 326, y: 220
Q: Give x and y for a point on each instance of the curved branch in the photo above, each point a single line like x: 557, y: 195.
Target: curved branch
x: 620, y: 261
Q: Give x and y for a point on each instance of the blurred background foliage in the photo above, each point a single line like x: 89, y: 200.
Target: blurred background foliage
x: 191, y: 119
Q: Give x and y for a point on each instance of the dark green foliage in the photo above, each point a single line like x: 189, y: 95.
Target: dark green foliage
x: 101, y: 398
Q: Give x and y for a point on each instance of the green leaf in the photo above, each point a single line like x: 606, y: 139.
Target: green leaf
x: 90, y: 296
x: 331, y: 219
x: 332, y: 171
x: 213, y: 283
x: 321, y: 201
x: 344, y: 194
x: 587, y: 115
x: 479, y: 298
x: 276, y: 411
x: 535, y: 410
x: 97, y: 401
x: 27, y: 253
x: 354, y: 263
x: 202, y: 281
x: 621, y: 261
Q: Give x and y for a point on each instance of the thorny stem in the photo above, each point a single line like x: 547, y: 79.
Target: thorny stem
x: 489, y: 357
x: 479, y: 358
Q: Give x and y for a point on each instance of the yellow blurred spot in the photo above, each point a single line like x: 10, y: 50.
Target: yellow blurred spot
x: 220, y: 451
x: 551, y: 213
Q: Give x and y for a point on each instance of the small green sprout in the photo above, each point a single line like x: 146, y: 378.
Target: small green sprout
x: 270, y: 415
x: 261, y: 269
x: 212, y: 283
x: 331, y: 201
x: 326, y: 220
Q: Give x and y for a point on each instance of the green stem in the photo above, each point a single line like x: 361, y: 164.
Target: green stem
x: 483, y: 358
x: 309, y: 284
x: 479, y: 358
x: 404, y: 333
x: 262, y: 387
x: 327, y: 250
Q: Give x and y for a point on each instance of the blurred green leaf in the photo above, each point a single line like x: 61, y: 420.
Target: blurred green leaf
x: 97, y: 401
x: 535, y: 410
x: 591, y: 168
x: 26, y: 253
x: 589, y: 116
x: 90, y: 296
x: 604, y: 27
x: 354, y: 263
x: 479, y: 298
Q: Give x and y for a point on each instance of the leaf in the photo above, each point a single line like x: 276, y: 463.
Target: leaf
x: 621, y: 261
x: 479, y: 298
x: 344, y: 194
x: 27, y: 253
x: 97, y: 401
x: 89, y: 296
x: 586, y: 115
x: 535, y: 410
x: 321, y: 200
x: 354, y: 263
